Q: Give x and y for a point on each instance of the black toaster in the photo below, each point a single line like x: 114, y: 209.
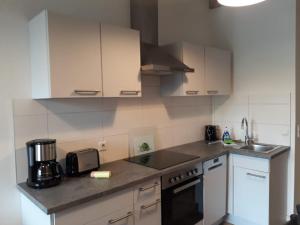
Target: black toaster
x: 82, y: 162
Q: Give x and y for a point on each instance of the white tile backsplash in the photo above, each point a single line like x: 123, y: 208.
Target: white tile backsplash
x: 72, y: 126
x: 79, y: 105
x: 270, y: 99
x: 27, y: 107
x: 28, y: 128
x: 274, y: 134
x: 268, y: 116
x: 117, y: 147
x: 82, y: 123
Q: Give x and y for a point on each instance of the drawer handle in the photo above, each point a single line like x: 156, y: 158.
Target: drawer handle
x: 148, y: 188
x: 150, y: 205
x: 255, y: 175
x: 112, y: 221
x: 192, y: 92
x: 215, y: 167
x: 129, y: 92
x: 212, y: 92
x: 86, y: 92
x: 186, y: 186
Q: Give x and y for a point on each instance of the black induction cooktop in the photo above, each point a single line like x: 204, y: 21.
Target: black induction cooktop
x: 161, y: 159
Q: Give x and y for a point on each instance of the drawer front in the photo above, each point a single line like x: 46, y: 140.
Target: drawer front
x: 147, y: 192
x: 121, y: 217
x: 96, y: 209
x: 148, y: 214
x: 252, y: 163
x: 251, y: 195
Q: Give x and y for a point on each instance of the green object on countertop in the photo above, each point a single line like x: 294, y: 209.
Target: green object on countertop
x: 229, y: 142
x: 144, y: 147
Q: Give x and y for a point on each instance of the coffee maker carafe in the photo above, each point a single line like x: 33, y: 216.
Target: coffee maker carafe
x: 43, y: 170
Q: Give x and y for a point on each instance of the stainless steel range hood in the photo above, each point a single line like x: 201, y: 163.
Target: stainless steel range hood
x: 155, y: 61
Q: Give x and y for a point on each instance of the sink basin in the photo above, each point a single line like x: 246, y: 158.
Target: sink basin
x: 259, y: 148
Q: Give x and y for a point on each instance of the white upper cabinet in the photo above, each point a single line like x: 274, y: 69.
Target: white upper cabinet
x: 212, y: 74
x: 218, y: 72
x: 120, y: 62
x: 185, y: 84
x: 65, y: 57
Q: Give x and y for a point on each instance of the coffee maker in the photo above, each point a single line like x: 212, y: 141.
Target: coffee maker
x: 43, y: 170
x: 210, y: 133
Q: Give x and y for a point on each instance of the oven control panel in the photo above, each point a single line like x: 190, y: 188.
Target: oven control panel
x: 179, y: 176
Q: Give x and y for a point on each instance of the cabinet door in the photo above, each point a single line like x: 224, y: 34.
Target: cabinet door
x: 75, y: 57
x: 104, y: 209
x: 121, y: 217
x: 149, y: 213
x: 218, y: 72
x: 215, y: 191
x: 120, y: 61
x: 147, y: 203
x: 193, y: 56
x: 251, y: 196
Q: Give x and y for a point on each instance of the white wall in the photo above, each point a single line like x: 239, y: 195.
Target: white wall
x: 262, y: 38
x: 15, y: 74
x: 76, y: 123
x: 297, y: 100
x: 188, y: 20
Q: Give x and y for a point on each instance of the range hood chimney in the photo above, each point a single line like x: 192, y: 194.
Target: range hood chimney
x: 155, y: 61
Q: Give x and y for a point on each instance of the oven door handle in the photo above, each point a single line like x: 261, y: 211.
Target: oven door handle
x: 186, y: 186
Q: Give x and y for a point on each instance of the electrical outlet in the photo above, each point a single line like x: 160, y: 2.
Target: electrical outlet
x: 102, y: 146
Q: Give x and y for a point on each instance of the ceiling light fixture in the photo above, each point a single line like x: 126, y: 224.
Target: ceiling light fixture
x: 239, y: 3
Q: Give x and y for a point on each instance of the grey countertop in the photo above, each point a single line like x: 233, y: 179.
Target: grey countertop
x: 74, y: 191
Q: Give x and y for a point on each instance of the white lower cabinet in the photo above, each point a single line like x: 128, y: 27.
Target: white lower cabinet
x: 251, y: 195
x: 101, y: 212
x: 135, y: 206
x: 257, y: 190
x: 215, y: 190
x: 147, y: 203
x: 121, y: 217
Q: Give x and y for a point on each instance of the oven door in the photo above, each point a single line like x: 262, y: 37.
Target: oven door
x: 182, y: 204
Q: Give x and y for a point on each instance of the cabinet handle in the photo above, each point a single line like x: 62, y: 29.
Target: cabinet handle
x: 86, y: 92
x: 129, y: 92
x: 212, y: 92
x: 150, y: 205
x: 192, y: 92
x: 148, y: 188
x: 112, y: 221
x: 255, y: 175
x: 186, y: 186
x: 215, y: 167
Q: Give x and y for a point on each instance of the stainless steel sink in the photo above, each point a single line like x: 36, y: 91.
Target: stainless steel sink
x: 259, y: 148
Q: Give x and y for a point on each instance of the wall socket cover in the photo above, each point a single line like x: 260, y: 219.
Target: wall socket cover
x: 102, y: 146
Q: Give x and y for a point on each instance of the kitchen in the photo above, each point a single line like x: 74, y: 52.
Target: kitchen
x: 82, y: 123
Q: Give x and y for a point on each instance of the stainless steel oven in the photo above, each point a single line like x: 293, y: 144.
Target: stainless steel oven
x: 182, y: 197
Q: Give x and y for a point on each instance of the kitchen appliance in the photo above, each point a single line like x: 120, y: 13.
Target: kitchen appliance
x: 154, y: 59
x: 161, y: 159
x: 210, y: 133
x: 215, y: 190
x: 182, y: 196
x: 82, y: 162
x: 43, y: 170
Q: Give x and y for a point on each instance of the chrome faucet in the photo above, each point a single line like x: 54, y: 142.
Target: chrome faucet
x: 245, y: 127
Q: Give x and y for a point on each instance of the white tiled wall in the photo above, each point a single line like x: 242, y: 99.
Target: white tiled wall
x: 81, y: 123
x: 268, y: 116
